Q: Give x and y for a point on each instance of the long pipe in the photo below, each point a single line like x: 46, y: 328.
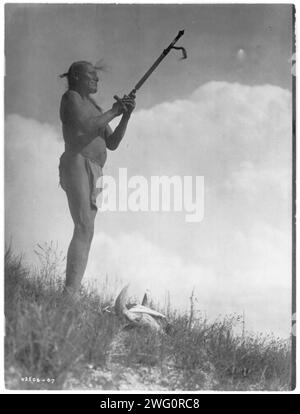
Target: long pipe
x: 156, y: 63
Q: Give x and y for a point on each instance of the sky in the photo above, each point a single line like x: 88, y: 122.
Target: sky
x: 225, y: 114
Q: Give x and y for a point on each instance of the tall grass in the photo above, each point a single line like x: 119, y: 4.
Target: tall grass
x: 63, y: 344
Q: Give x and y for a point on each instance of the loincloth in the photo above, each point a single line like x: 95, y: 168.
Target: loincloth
x: 92, y: 168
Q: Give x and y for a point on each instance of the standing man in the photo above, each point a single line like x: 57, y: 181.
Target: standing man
x: 87, y: 135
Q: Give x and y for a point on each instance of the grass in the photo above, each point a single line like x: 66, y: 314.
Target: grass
x: 53, y: 345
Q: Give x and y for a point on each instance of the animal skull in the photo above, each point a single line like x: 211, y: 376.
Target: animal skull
x: 139, y: 315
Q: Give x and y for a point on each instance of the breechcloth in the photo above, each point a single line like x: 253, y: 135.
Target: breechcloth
x: 70, y: 168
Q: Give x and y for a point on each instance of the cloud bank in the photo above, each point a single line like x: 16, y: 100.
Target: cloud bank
x: 237, y: 259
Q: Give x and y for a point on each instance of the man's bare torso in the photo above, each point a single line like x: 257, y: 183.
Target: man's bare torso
x: 73, y: 132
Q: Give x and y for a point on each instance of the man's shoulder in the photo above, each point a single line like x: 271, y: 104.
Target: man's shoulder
x: 71, y: 96
x: 71, y: 104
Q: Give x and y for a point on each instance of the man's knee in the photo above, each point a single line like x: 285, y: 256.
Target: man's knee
x: 85, y: 228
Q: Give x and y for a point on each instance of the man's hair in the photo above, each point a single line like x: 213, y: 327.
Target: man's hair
x: 74, y: 72
x: 76, y: 69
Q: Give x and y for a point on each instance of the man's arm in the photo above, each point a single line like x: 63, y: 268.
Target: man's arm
x: 74, y: 112
x: 113, y: 138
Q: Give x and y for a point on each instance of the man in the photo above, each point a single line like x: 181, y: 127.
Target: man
x: 87, y: 135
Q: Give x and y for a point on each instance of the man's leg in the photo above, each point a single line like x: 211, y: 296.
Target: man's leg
x: 83, y: 215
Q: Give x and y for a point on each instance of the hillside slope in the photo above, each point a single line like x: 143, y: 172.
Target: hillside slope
x: 53, y: 345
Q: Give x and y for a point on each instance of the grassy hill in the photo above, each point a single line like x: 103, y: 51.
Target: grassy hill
x: 50, y: 344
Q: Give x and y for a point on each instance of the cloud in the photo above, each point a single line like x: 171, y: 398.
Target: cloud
x: 250, y: 179
x: 225, y: 132
x: 238, y: 258
x: 35, y: 206
x: 231, y: 287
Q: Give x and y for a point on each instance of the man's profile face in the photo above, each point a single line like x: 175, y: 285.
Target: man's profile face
x: 89, y: 79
